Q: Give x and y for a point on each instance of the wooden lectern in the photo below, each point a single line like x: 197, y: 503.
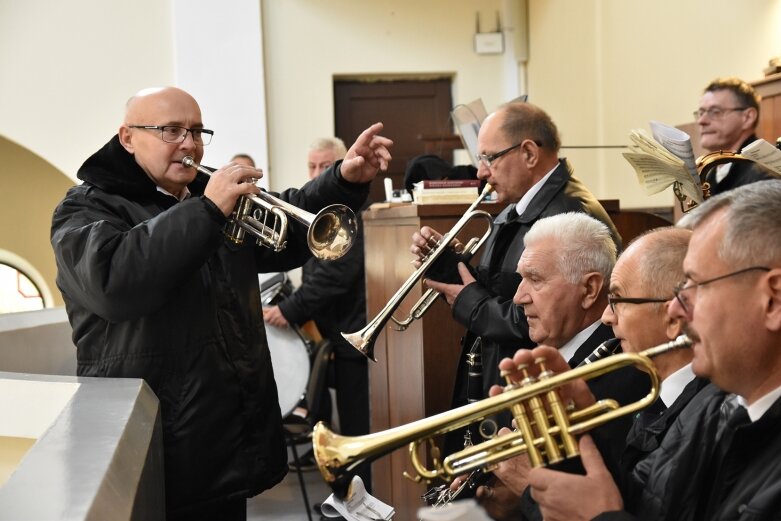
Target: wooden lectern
x: 415, y: 370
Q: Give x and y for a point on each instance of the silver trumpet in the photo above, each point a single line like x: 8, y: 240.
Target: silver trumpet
x: 330, y: 233
x: 364, y: 339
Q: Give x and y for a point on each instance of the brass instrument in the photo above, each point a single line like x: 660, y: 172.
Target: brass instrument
x: 330, y: 233
x: 542, y: 435
x: 704, y: 165
x: 364, y: 339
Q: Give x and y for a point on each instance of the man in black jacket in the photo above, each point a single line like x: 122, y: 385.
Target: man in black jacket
x: 641, y: 291
x: 154, y: 290
x: 333, y: 294
x: 728, y: 117
x: 519, y: 146
x: 720, y: 459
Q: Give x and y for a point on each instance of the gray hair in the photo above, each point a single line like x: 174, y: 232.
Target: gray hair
x: 752, y: 233
x: 661, y: 265
x: 330, y: 143
x: 585, y: 244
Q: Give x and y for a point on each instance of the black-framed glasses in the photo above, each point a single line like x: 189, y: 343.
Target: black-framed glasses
x: 487, y: 160
x: 685, y: 300
x: 177, y: 134
x: 716, y: 112
x: 612, y: 300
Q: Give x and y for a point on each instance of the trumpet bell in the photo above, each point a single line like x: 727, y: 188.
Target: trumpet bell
x: 332, y: 232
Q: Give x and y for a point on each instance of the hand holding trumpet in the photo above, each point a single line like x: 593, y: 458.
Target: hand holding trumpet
x: 555, y: 491
x: 230, y: 182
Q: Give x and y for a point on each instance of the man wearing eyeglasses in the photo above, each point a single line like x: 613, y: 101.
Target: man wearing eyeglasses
x: 727, y: 118
x: 720, y: 460
x: 154, y: 290
x: 519, y: 156
x: 641, y: 292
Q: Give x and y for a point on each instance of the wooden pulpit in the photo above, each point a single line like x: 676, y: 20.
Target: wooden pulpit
x: 415, y: 370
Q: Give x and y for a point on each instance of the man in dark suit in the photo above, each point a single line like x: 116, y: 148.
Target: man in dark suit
x: 728, y: 117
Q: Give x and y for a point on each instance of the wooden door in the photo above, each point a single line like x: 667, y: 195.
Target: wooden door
x: 409, y: 109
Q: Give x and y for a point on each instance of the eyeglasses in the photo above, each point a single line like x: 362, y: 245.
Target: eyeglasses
x: 716, y: 112
x: 176, y: 134
x: 686, y: 301
x: 612, y: 300
x: 487, y: 160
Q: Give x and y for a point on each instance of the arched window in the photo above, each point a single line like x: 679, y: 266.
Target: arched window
x: 17, y: 291
x: 22, y: 288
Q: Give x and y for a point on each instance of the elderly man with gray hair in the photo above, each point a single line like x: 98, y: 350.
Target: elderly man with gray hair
x: 565, y: 269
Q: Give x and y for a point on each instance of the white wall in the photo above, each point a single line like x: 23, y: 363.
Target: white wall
x: 68, y: 67
x: 603, y: 67
x: 218, y: 58
x: 309, y: 42
x: 600, y: 67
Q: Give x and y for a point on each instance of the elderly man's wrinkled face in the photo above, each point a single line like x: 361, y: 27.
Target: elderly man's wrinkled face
x: 552, y: 304
x: 159, y: 159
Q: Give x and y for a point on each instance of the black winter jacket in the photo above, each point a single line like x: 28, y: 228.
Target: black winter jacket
x: 154, y: 290
x: 677, y: 481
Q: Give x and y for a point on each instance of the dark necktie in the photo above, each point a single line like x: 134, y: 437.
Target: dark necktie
x: 725, y: 462
x: 504, y: 237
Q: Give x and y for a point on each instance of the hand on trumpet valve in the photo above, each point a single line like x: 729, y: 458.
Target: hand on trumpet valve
x: 425, y: 241
x: 524, y: 365
x: 230, y: 182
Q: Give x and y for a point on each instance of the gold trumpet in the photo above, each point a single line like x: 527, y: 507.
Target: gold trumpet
x: 330, y: 233
x: 364, y: 339
x: 547, y: 437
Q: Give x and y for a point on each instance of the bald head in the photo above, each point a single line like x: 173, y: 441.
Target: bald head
x: 659, y: 255
x: 151, y: 102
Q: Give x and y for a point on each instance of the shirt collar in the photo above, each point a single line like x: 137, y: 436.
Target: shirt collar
x: 757, y: 409
x: 568, y: 350
x: 185, y: 193
x: 672, y: 386
x: 521, y: 206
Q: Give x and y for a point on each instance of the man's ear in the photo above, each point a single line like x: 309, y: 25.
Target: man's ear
x: 673, y: 325
x: 771, y: 290
x: 750, y: 116
x: 124, y: 138
x: 531, y: 152
x: 592, y: 284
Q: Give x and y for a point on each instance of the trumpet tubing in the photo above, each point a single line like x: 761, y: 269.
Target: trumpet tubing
x: 330, y: 233
x: 543, y: 436
x: 363, y: 340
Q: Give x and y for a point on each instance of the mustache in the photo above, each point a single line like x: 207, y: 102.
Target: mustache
x: 691, y: 333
